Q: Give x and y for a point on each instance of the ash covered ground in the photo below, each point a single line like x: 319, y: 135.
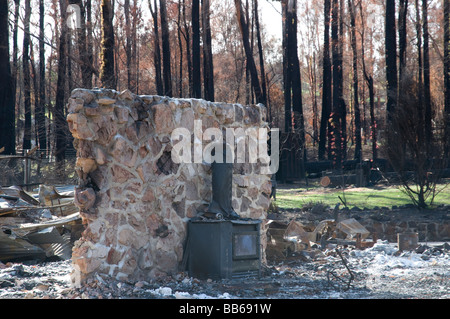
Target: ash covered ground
x: 380, y: 272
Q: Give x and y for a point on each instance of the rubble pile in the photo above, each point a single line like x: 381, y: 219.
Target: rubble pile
x: 338, y: 271
x: 37, y: 225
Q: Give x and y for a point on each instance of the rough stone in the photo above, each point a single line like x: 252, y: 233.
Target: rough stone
x: 84, y: 199
x: 163, y: 118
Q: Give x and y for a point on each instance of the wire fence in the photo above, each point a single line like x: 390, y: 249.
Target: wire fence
x: 31, y: 168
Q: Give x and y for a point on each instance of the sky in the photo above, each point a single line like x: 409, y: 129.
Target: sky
x: 271, y: 16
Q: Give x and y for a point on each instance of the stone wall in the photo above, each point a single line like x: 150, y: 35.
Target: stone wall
x: 133, y: 198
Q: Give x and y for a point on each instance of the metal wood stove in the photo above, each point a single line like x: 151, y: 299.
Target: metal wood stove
x: 223, y: 249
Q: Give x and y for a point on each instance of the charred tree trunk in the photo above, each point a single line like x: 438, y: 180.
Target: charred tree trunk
x: 27, y: 78
x: 208, y: 66
x: 420, y: 104
x: 295, y: 150
x: 128, y: 45
x: 426, y: 76
x: 261, y: 56
x: 337, y: 141
x: 447, y: 76
x: 342, y: 104
x: 7, y: 108
x: 107, y: 74
x: 357, y: 132
x: 370, y: 86
x: 83, y: 47
x: 243, y: 26
x: 287, y: 81
x: 402, y: 36
x: 59, y: 113
x: 391, y: 61
x: 294, y: 66
x: 326, y: 90
x: 187, y: 38
x: 180, y: 47
x: 89, y: 44
x: 196, y: 72
x: 156, y: 48
x: 167, y: 72
x: 15, y: 66
x: 40, y: 111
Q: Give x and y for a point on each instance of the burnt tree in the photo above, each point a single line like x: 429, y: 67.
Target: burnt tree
x: 107, y: 74
x: 391, y: 60
x: 85, y: 58
x: 338, y: 114
x: 59, y: 113
x: 27, y: 78
x: 402, y: 37
x: 426, y: 75
x: 261, y: 54
x: 370, y: 85
x: 447, y: 76
x: 326, y: 87
x: 294, y: 150
x: 196, y: 72
x: 243, y: 26
x: 41, y: 106
x: 156, y: 48
x: 167, y: 72
x: 357, y: 130
x: 7, y: 109
x: 208, y: 66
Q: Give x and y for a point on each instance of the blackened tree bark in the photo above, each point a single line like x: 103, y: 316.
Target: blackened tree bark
x: 15, y: 58
x: 294, y: 148
x: 196, y: 72
x: 369, y: 81
x: 391, y: 60
x: 243, y: 26
x: 167, y: 72
x: 357, y: 132
x: 208, y: 65
x: 287, y: 81
x: 297, y: 103
x: 180, y: 47
x: 426, y: 75
x: 83, y: 47
x: 342, y: 104
x: 107, y: 74
x: 294, y: 67
x: 447, y: 75
x: 402, y: 37
x: 261, y: 54
x: 89, y: 43
x: 40, y: 111
x: 27, y: 77
x: 128, y: 44
x: 7, y: 109
x: 187, y: 38
x: 156, y: 48
x: 420, y: 134
x: 59, y: 113
x: 337, y: 141
x: 326, y: 88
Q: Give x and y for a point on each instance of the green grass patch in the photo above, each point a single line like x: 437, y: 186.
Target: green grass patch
x: 296, y: 198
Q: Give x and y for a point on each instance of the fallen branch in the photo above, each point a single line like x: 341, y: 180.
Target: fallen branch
x: 352, y: 277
